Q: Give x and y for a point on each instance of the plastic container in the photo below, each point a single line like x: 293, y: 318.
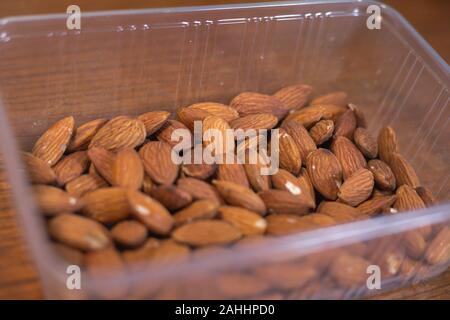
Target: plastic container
x: 128, y: 62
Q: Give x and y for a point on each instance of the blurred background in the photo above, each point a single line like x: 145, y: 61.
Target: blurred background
x: 429, y: 17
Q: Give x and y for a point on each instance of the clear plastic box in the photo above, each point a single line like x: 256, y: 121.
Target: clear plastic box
x: 129, y: 62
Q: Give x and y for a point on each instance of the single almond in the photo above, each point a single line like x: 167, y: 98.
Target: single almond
x: 387, y: 143
x: 284, y: 202
x: 198, y: 170
x: 128, y: 171
x: 103, y: 161
x: 213, y: 126
x: 349, y: 270
x: 255, y: 103
x: 38, y: 170
x: 256, y: 176
x: 305, y: 143
x: 287, y: 276
x: 71, y: 166
x: 120, y: 132
x: 322, y: 131
x: 340, y: 212
x: 129, y: 233
x: 307, y: 117
x: 305, y: 183
x: 201, y: 209
x: 415, y: 244
x: 153, y: 120
x: 52, y: 144
x: 248, y: 222
x: 170, y: 252
x: 170, y: 196
x: 137, y: 258
x: 254, y: 121
x: 325, y: 172
x: 83, y: 134
x: 345, y: 125
x: 217, y: 109
x: 295, y: 96
x: 284, y: 180
x: 199, y: 190
x: 376, y: 205
x: 157, y: 160
x: 366, y: 143
x: 52, y: 201
x: 438, y: 251
x: 404, y: 173
x: 357, y: 188
x: 233, y: 172
x: 284, y: 224
x: 382, y: 174
x: 79, y: 232
x: 407, y: 199
x: 289, y: 154
x: 206, y: 232
x: 166, y: 132
x: 350, y: 158
x: 84, y: 184
x: 360, y: 117
x: 426, y: 195
x: 150, y: 212
x: 106, y: 205
x: 338, y: 98
x: 188, y: 116
x: 238, y: 195
x: 104, y: 263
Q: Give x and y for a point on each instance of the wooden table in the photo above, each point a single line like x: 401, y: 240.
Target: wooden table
x: 18, y: 276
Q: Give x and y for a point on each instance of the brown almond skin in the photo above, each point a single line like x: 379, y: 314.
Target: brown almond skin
x: 207, y: 232
x: 284, y: 202
x: 255, y: 121
x: 103, y: 161
x: 290, y: 157
x: 84, y: 184
x: 349, y: 270
x: 106, y: 205
x: 129, y: 233
x: 305, y: 183
x: 237, y: 195
x: 198, y: 170
x: 71, y: 166
x: 38, y: 170
x: 201, y: 209
x: 217, y: 109
x: 210, y: 125
x: 199, y: 190
x: 349, y: 156
x: 387, y: 143
x: 438, y: 251
x: 52, y: 201
x: 150, y: 212
x: 233, y: 173
x: 257, y: 181
x: 376, y: 205
x: 69, y: 254
x: 188, y: 116
x: 305, y: 143
x: 170, y: 252
x: 240, y: 285
x: 120, y: 132
x: 52, y: 144
x: 84, y: 134
x: 164, y: 134
x: 382, y: 174
x: 426, y: 195
x: 357, y: 188
x: 79, y: 232
x: 404, y: 173
x: 172, y: 197
x: 415, y: 244
x: 157, y: 161
x: 153, y: 120
x: 254, y: 103
x: 128, y: 171
x: 407, y: 199
x: 248, y: 222
x: 338, y: 98
x: 295, y: 96
x: 345, y: 125
x: 338, y: 211
x: 325, y: 172
x: 366, y: 143
x: 287, y: 276
x: 307, y: 117
x: 322, y: 131
x: 284, y: 180
x: 284, y: 224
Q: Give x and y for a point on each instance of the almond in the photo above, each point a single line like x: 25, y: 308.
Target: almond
x: 128, y: 171
x: 307, y: 117
x: 254, y: 121
x: 129, y: 233
x: 199, y: 189
x: 338, y: 211
x: 170, y: 252
x: 383, y: 175
x: 248, y: 222
x: 322, y: 131
x: 415, y: 244
x: 147, y: 184
x: 404, y: 173
x: 120, y: 132
x: 325, y: 172
x: 290, y: 157
x: 240, y: 285
x: 157, y: 160
x: 71, y: 166
x: 426, y: 195
x: 140, y: 255
x: 349, y: 270
x: 345, y: 125
x: 407, y: 199
x: 438, y: 251
x: 284, y: 224
x: 201, y: 209
x: 360, y: 117
x: 165, y: 133
x: 53, y: 143
x: 38, y: 170
x: 284, y: 202
x: 189, y: 115
x: 103, y: 161
x: 254, y: 103
x: 52, y: 201
x: 84, y: 184
x: 172, y: 197
x: 285, y: 276
x: 376, y: 205
x: 84, y: 134
x: 258, y: 181
x: 217, y: 109
x: 150, y: 212
x: 305, y: 143
x: 350, y: 158
x: 338, y: 98
x: 79, y: 232
x: 106, y: 205
x: 199, y: 170
x: 387, y: 143
x: 207, y: 232
x: 295, y: 96
x: 305, y: 183
x: 357, y: 188
x: 224, y: 143
x: 238, y: 195
x: 153, y: 120
x: 283, y: 180
x: 233, y: 173
x: 366, y: 143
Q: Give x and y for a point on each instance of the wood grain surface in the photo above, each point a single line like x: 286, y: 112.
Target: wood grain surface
x: 18, y: 276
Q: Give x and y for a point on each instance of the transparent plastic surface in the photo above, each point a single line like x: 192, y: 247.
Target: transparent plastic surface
x: 130, y: 62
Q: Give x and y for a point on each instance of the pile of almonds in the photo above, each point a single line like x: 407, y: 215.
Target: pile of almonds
x: 113, y: 197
